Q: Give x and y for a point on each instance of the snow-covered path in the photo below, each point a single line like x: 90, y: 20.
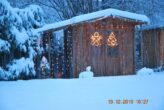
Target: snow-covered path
x: 83, y: 94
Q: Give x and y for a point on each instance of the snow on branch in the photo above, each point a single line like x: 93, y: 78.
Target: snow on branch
x: 17, y: 33
x: 4, y: 74
x: 32, y: 16
x: 17, y: 24
x: 21, y: 66
x: 4, y: 46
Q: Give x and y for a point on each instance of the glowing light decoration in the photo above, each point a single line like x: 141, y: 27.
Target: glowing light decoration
x: 96, y: 39
x: 112, y: 41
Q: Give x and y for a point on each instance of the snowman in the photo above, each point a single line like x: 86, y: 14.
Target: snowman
x: 86, y: 74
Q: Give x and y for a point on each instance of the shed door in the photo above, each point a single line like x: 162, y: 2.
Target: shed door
x: 106, y: 59
x: 151, y: 49
x: 114, y: 60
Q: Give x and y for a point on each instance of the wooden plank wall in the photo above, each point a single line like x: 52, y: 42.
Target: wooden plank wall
x: 152, y: 47
x: 161, y: 47
x: 84, y: 54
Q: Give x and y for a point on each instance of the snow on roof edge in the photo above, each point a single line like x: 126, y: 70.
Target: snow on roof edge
x: 95, y: 15
x: 150, y: 27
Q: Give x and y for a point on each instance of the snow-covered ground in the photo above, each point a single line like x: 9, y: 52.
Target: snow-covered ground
x: 83, y: 94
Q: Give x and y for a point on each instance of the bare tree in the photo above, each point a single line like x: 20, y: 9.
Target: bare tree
x: 56, y: 10
x: 69, y: 8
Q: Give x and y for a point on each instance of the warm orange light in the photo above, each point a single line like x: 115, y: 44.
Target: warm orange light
x: 112, y: 41
x: 96, y: 39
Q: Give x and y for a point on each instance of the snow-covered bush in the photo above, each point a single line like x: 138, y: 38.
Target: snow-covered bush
x: 4, y: 75
x: 32, y: 16
x: 159, y: 69
x: 22, y: 65
x: 44, y: 65
x: 86, y: 74
x: 145, y: 71
x: 4, y: 46
x: 17, y: 33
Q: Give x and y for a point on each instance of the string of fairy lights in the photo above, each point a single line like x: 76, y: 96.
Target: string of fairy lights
x: 96, y: 38
x: 54, y: 58
x: 61, y: 63
x: 69, y: 50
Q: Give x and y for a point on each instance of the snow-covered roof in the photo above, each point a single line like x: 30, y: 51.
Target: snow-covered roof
x: 156, y: 26
x: 96, y: 15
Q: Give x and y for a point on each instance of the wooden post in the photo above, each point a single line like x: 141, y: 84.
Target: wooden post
x: 134, y: 49
x: 49, y: 50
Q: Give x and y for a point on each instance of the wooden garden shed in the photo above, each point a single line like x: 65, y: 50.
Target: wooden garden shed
x: 104, y: 40
x: 152, y: 46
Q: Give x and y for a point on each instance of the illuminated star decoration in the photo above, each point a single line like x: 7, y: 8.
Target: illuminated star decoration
x: 112, y: 41
x: 96, y: 39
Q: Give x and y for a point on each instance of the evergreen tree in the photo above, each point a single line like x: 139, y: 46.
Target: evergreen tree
x: 18, y: 40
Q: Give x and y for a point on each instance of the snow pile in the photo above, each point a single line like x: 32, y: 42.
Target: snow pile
x: 4, y: 46
x: 91, y: 94
x: 21, y: 66
x: 145, y: 71
x: 86, y: 74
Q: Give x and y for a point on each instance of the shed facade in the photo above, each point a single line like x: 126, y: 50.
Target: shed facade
x: 104, y: 40
x: 152, y: 46
x: 104, y: 60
